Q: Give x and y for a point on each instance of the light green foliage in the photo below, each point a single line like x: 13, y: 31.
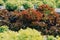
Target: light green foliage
x: 28, y: 5
x: 51, y: 37
x: 1, y: 2
x: 58, y: 4
x: 58, y: 37
x: 51, y: 3
x: 11, y: 6
x: 19, y: 3
x: 30, y: 34
x: 3, y: 28
x: 9, y: 35
x: 27, y: 34
x: 4, y: 1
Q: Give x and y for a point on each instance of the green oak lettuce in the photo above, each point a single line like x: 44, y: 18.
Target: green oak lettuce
x: 11, y: 6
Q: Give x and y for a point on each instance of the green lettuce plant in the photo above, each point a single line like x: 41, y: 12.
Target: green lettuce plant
x: 58, y: 37
x: 27, y: 34
x: 30, y: 34
x: 26, y: 6
x: 51, y: 3
x: 58, y: 4
x: 9, y: 35
x: 10, y: 6
x: 50, y: 37
x: 3, y: 28
x: 1, y: 2
x: 4, y: 1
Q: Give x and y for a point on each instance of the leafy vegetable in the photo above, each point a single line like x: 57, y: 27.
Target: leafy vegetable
x: 1, y: 2
x: 11, y: 6
x: 3, y: 28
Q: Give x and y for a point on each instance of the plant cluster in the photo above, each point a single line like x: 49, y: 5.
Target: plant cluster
x: 44, y: 19
x: 21, y: 35
x: 16, y: 4
x: 24, y: 34
x: 3, y: 28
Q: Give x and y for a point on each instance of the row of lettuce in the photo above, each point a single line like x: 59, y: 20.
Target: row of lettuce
x: 24, y: 34
x: 16, y: 4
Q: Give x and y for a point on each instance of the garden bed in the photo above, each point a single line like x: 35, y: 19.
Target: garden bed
x: 29, y: 20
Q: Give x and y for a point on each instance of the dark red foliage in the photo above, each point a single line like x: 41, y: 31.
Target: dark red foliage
x: 32, y: 14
